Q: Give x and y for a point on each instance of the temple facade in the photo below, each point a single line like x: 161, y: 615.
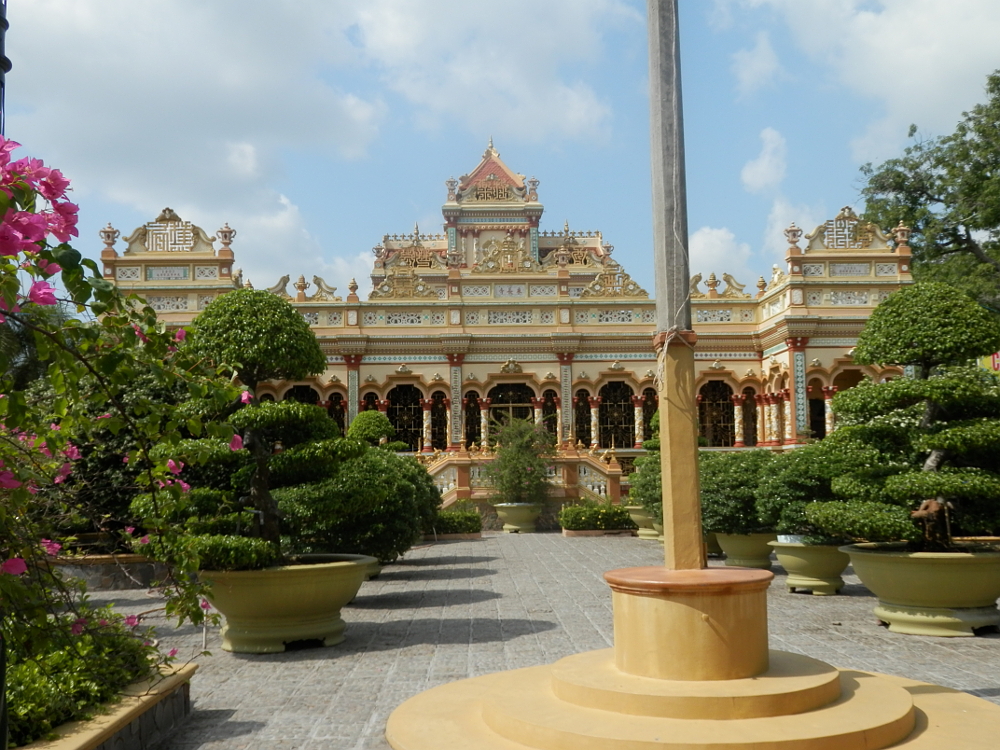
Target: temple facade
x: 496, y: 316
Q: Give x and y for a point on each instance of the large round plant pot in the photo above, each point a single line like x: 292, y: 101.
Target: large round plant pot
x: 643, y: 519
x: 930, y: 593
x: 712, y: 544
x: 747, y: 550
x: 518, y: 518
x: 265, y: 609
x: 658, y: 530
x: 813, y: 567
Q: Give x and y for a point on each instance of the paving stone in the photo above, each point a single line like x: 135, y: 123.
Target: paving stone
x: 463, y: 609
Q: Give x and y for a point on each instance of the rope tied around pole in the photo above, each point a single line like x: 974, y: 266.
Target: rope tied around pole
x: 672, y: 334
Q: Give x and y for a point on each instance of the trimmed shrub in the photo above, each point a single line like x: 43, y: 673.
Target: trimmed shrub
x: 457, y: 522
x: 593, y: 516
x: 862, y: 521
x: 728, y: 481
x: 371, y: 426
x: 218, y: 552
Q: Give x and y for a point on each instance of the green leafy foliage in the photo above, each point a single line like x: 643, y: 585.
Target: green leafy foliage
x: 261, y: 335
x: 946, y: 189
x: 374, y: 505
x: 653, y: 443
x: 646, y: 484
x: 457, y: 521
x: 518, y: 473
x: 371, y: 426
x: 595, y: 516
x: 71, y: 676
x: 228, y: 552
x: 728, y: 481
x: 861, y: 521
x: 927, y: 325
x: 288, y: 422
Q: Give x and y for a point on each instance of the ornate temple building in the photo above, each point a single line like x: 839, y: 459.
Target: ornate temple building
x: 495, y: 316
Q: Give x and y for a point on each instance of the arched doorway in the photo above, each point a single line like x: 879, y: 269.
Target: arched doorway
x: 649, y: 405
x: 616, y: 415
x: 715, y: 414
x: 338, y: 411
x: 817, y: 410
x: 549, y: 412
x: 473, y: 419
x: 439, y: 421
x: 749, y: 417
x: 510, y: 401
x: 581, y: 416
x: 406, y: 414
x: 304, y: 394
x: 369, y: 402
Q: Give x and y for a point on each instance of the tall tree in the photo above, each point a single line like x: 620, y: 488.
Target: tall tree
x: 947, y: 190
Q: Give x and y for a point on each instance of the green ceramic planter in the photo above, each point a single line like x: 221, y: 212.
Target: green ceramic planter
x: 518, y: 518
x: 265, y: 609
x: 812, y: 567
x: 747, y: 550
x: 930, y: 593
x: 643, y: 519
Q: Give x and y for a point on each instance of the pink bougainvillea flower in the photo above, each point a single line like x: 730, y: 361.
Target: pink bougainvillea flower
x: 11, y: 241
x: 175, y: 466
x: 172, y: 653
x: 144, y: 540
x: 205, y: 605
x: 124, y: 459
x: 6, y: 146
x: 32, y: 227
x: 105, y: 416
x: 246, y: 397
x: 64, y: 471
x: 71, y: 452
x: 185, y: 487
x: 48, y: 268
x: 55, y: 427
x: 51, y: 548
x: 180, y: 334
x: 53, y: 185
x: 129, y: 530
x: 15, y: 566
x: 138, y: 332
x: 42, y: 293
x: 44, y: 449
x: 8, y: 481
x: 236, y: 443
x: 104, y: 623
x: 78, y: 626
x: 132, y: 620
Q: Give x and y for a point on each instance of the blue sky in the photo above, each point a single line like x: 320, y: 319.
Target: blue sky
x: 315, y: 127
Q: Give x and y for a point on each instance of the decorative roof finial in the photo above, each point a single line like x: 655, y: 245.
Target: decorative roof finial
x: 109, y: 234
x: 353, y: 286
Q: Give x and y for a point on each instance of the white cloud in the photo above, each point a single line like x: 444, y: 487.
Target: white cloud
x: 768, y: 170
x: 755, y: 68
x: 490, y: 68
x: 782, y: 214
x: 715, y: 250
x: 917, y: 61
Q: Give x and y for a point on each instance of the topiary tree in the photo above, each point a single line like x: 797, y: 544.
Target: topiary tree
x: 934, y: 439
x: 728, y: 481
x: 646, y: 483
x: 371, y: 426
x: 518, y: 473
x: 263, y: 338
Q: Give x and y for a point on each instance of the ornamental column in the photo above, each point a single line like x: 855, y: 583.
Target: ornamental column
x: 828, y: 416
x: 456, y: 428
x: 768, y: 418
x: 738, y: 420
x: 484, y: 422
x: 559, y: 425
x: 353, y: 362
x: 451, y: 444
x: 797, y: 348
x: 536, y: 409
x: 786, y: 410
x: 566, y: 392
x: 595, y: 421
x: 427, y: 404
x: 637, y: 404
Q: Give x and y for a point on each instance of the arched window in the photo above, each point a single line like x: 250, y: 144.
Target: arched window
x: 848, y: 379
x: 581, y: 416
x: 439, y: 421
x: 649, y: 405
x: 302, y: 393
x: 369, y: 402
x: 749, y: 417
x: 406, y: 414
x: 337, y: 411
x: 549, y: 411
x: 715, y: 414
x: 817, y: 410
x: 616, y: 415
x: 473, y: 419
x: 266, y: 397
x: 510, y: 400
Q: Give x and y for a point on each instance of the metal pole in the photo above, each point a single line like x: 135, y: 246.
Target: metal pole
x: 5, y: 64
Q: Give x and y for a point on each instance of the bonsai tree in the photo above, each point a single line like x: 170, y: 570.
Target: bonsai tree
x: 728, y: 481
x: 372, y: 427
x: 932, y: 440
x: 263, y: 338
x: 518, y: 473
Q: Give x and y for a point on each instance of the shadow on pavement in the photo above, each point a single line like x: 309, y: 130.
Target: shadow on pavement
x: 426, y: 598
x: 446, y: 574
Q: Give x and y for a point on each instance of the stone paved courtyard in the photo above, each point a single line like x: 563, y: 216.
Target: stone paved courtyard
x: 460, y: 609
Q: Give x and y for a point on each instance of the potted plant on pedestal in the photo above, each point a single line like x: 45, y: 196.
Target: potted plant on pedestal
x: 518, y: 475
x: 935, y: 437
x: 728, y: 481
